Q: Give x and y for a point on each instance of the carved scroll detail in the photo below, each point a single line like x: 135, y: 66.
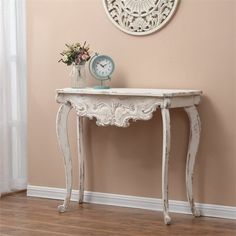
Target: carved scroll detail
x: 114, y: 111
x: 140, y: 17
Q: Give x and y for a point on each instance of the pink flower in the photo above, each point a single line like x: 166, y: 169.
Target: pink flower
x: 85, y: 57
x: 77, y: 60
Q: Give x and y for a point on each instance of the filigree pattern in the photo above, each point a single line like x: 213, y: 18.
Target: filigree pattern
x: 115, y: 111
x: 139, y: 17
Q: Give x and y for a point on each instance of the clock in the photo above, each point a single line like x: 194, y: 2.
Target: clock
x: 101, y: 67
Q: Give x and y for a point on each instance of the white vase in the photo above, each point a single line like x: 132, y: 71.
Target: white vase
x: 78, y: 76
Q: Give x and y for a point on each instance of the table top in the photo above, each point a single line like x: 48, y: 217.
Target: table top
x: 132, y: 92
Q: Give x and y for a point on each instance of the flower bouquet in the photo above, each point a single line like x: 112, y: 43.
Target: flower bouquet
x: 76, y: 55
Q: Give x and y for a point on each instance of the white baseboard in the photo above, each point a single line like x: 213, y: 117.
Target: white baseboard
x: 155, y: 204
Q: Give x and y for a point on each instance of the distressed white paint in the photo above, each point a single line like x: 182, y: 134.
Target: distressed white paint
x: 140, y: 17
x: 132, y: 92
x: 119, y: 106
x: 115, y: 110
x: 80, y: 157
x: 194, y: 138
x: 62, y: 136
x: 165, y: 160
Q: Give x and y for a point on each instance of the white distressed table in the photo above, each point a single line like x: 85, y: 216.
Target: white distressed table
x: 117, y: 107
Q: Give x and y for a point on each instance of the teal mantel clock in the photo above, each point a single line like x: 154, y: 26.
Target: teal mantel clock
x: 101, y: 68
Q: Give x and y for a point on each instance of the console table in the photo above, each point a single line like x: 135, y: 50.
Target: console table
x: 118, y: 106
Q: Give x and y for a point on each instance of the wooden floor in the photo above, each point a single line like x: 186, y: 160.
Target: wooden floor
x: 24, y: 216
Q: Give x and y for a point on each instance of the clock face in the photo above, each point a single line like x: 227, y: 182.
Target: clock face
x: 101, y: 67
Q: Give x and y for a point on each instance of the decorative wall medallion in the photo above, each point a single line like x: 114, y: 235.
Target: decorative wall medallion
x: 140, y: 17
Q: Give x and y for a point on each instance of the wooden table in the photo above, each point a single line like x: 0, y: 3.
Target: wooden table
x: 118, y: 106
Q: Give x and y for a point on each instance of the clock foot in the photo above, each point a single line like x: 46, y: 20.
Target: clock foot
x: 101, y: 87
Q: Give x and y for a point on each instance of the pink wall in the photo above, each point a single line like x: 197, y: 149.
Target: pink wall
x: 196, y: 50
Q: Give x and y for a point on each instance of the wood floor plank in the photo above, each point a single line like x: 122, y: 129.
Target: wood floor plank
x: 23, y: 216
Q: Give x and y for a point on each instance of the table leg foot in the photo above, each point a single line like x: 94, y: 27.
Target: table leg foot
x: 167, y: 219
x: 61, y: 208
x: 196, y: 212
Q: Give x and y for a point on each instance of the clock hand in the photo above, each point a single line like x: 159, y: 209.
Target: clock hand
x: 100, y: 65
x: 105, y: 64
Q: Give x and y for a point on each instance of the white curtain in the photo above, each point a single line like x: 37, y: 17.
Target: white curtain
x: 13, y: 174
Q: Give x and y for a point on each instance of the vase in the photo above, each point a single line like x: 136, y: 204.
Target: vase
x: 78, y: 76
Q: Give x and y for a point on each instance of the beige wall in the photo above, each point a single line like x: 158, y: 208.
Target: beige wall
x: 196, y: 50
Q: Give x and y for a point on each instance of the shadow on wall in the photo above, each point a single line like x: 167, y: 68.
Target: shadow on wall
x: 213, y: 159
x: 125, y: 159
x: 120, y: 80
x: 123, y: 156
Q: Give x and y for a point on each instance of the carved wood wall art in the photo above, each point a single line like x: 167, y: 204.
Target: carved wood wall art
x: 140, y: 17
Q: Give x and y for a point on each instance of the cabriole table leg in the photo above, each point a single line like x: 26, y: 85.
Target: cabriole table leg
x: 194, y: 138
x: 80, y: 157
x: 165, y: 161
x: 62, y: 135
